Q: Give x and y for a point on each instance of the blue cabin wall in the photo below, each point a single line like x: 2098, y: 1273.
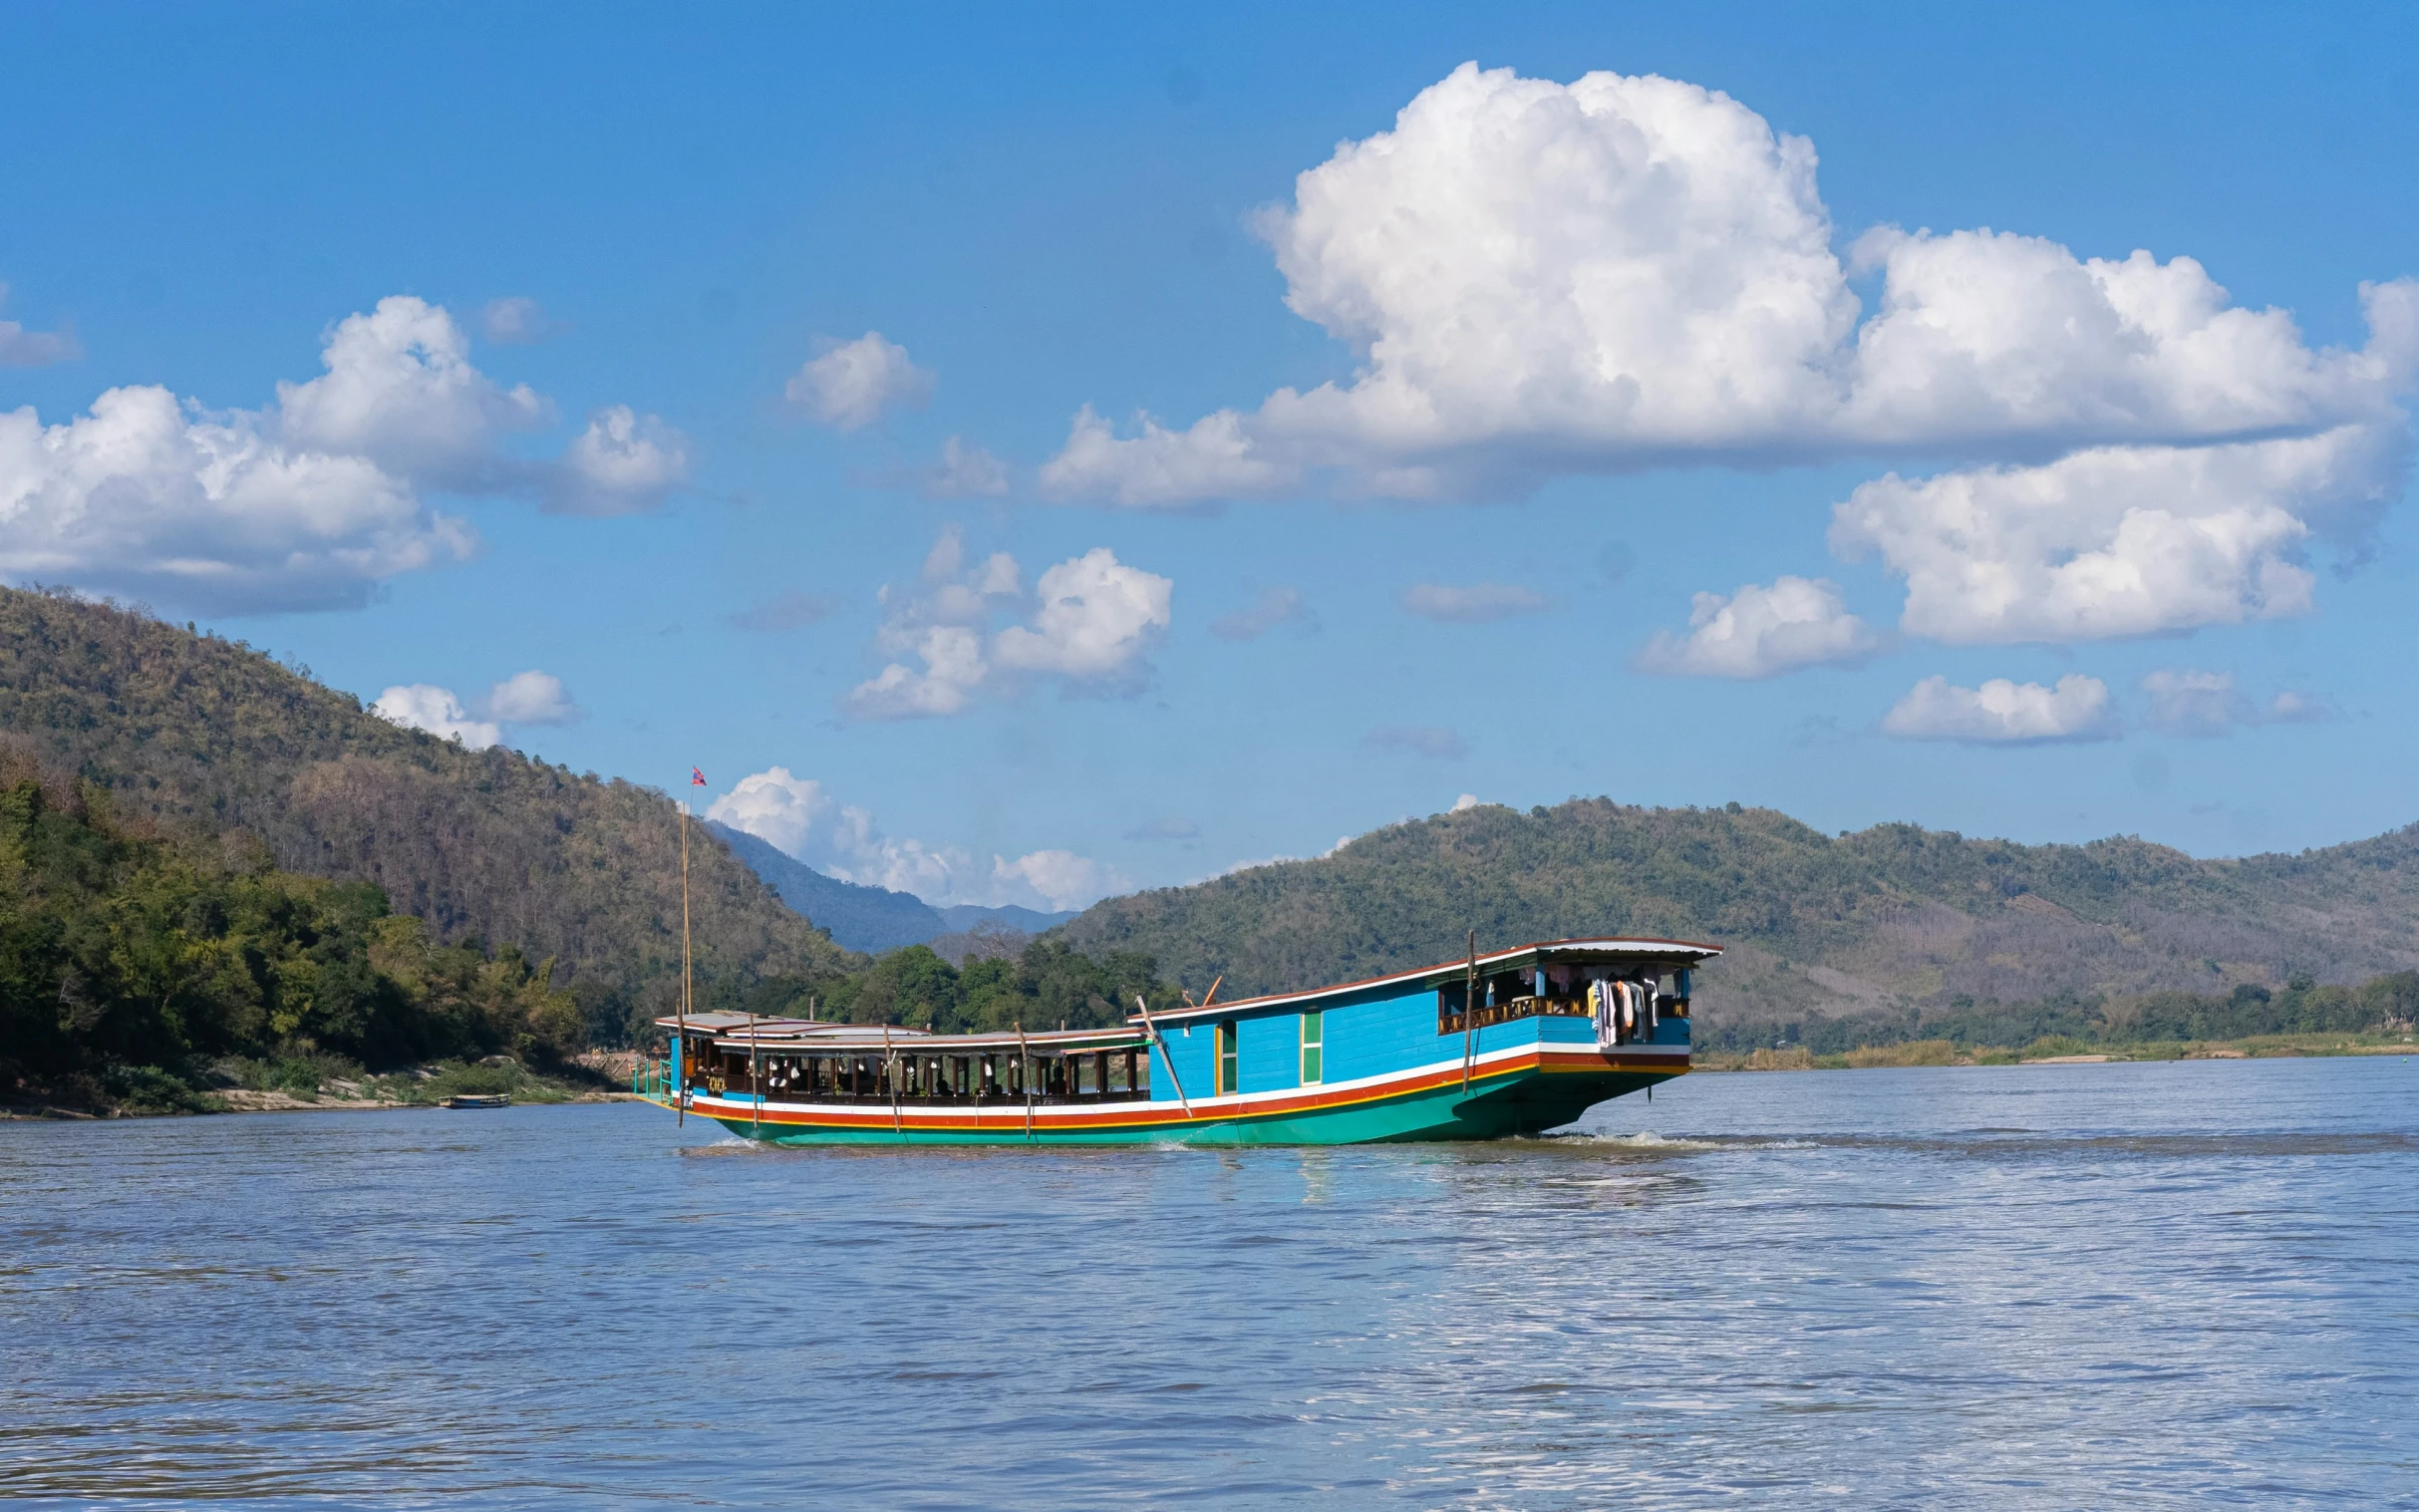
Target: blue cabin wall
x: 1364, y: 1038
x: 1368, y: 1037
x: 1267, y: 1053
x: 1187, y: 1047
x: 1389, y: 1033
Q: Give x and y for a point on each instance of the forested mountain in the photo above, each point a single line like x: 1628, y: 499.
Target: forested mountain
x: 199, y: 735
x: 135, y: 967
x: 1893, y: 917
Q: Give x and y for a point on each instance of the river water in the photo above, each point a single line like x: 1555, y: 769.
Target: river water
x: 2028, y: 1287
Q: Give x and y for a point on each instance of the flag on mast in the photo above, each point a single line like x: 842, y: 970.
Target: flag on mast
x: 697, y: 778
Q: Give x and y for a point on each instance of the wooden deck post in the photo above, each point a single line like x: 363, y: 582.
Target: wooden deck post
x: 1469, y: 1013
x: 1025, y: 1073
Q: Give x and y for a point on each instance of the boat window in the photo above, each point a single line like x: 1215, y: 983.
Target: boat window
x: 1313, y: 1043
x: 1226, y: 1057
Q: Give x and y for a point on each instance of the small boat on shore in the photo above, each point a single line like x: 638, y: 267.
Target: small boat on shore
x: 1516, y: 1042
x: 480, y: 1099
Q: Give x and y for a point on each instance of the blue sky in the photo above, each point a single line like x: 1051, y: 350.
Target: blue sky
x: 2159, y: 569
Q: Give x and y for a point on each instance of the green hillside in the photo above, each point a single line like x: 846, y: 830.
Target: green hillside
x: 202, y: 737
x: 1888, y: 918
x: 136, y: 968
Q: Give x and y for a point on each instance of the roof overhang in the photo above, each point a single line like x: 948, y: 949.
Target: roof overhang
x: 1629, y: 951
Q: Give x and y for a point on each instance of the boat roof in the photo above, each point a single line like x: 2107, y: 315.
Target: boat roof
x: 1617, y: 950
x: 823, y: 1037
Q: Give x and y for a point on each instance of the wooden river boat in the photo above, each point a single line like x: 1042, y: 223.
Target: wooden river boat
x: 1515, y: 1042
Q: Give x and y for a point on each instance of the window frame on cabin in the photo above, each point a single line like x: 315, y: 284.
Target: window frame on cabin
x: 1227, y: 1057
x: 1313, y: 1048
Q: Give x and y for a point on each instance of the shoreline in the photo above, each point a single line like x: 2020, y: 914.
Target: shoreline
x: 1941, y: 1053
x: 238, y: 1101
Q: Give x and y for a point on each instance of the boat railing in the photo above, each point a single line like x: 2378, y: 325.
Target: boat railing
x: 651, y: 1079
x: 866, y: 1079
x: 1450, y: 1022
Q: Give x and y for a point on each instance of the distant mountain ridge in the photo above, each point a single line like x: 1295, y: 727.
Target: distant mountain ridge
x: 865, y: 918
x: 1891, y: 917
x: 195, y: 732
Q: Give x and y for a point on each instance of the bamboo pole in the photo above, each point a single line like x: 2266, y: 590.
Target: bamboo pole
x: 1025, y: 1073
x: 680, y: 1012
x: 1165, y: 1059
x: 891, y: 1058
x: 1469, y: 1013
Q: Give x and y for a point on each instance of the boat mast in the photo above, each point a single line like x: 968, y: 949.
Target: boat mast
x: 680, y: 1091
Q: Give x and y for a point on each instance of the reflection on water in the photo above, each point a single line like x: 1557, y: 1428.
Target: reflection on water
x: 2044, y: 1286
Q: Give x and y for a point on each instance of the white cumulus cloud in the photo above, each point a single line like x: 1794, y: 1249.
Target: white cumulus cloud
x: 799, y: 818
x: 158, y: 499
x: 2003, y: 713
x: 1159, y: 469
x: 848, y: 385
x: 401, y: 391
x: 1760, y: 632
x: 953, y: 669
x: 2120, y: 540
x: 310, y: 502
x: 623, y: 463
x: 1092, y: 624
x: 532, y: 697
x: 418, y: 706
x: 1098, y: 617
x: 1631, y: 272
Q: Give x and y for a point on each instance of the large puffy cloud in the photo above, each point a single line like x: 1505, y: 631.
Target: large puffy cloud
x: 311, y: 503
x: 1628, y: 272
x: 1760, y: 632
x: 1625, y: 273
x: 849, y: 384
x: 147, y: 495
x: 799, y: 818
x: 2003, y: 713
x: 401, y: 391
x: 1987, y: 341
x: 1092, y: 626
